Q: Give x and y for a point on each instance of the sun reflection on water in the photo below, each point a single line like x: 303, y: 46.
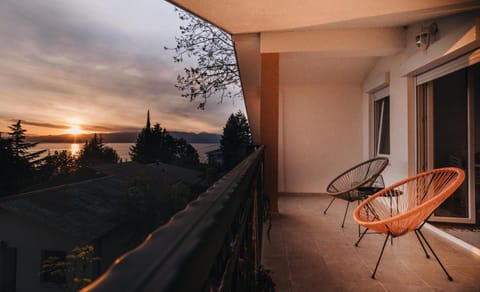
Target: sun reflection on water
x: 75, y: 149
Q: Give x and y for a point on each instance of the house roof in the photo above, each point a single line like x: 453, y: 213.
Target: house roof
x: 86, y: 209
x: 170, y: 174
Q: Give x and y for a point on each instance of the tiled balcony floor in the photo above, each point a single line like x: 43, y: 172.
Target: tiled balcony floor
x: 310, y: 252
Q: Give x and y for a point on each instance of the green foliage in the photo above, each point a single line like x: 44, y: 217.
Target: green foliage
x: 216, y: 73
x: 76, y: 268
x: 155, y: 144
x: 236, y: 142
x: 94, y: 152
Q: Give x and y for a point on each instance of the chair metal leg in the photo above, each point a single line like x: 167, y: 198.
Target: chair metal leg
x: 331, y: 202
x: 359, y: 230
x: 381, y: 254
x: 435, y: 255
x: 345, y: 216
x: 361, y: 236
x: 421, y: 243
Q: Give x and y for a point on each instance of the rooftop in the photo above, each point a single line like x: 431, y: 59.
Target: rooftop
x: 309, y: 251
x: 86, y: 209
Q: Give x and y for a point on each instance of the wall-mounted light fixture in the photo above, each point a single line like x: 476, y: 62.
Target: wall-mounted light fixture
x: 427, y: 36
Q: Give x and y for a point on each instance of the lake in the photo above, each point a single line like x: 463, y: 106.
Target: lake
x: 121, y: 148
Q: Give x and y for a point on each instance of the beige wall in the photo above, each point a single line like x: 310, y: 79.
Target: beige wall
x: 320, y: 127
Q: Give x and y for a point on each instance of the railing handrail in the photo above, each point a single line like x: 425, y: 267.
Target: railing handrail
x: 178, y: 255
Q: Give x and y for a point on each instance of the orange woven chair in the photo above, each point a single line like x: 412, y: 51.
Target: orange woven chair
x: 357, y: 182
x: 406, y: 206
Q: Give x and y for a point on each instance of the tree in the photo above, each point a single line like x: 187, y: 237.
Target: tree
x: 58, y: 164
x: 18, y: 161
x: 94, y: 151
x: 8, y: 179
x: 147, y: 206
x: 186, y: 155
x: 74, y: 270
x: 216, y: 72
x: 155, y: 144
x: 20, y: 147
x: 236, y: 142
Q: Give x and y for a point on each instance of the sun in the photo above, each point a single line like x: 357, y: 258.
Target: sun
x: 75, y: 130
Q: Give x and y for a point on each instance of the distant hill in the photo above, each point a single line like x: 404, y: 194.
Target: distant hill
x: 197, y: 138
x: 124, y: 137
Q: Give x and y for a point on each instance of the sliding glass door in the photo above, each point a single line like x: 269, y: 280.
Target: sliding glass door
x: 446, y: 136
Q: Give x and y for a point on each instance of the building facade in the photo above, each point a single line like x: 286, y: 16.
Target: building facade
x: 330, y: 84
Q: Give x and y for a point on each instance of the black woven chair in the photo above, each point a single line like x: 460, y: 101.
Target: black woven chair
x: 357, y: 182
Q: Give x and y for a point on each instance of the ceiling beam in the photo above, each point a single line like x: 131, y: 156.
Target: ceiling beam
x: 355, y: 42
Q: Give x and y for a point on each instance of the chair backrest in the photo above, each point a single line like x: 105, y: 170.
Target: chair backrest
x: 404, y: 206
x: 361, y: 175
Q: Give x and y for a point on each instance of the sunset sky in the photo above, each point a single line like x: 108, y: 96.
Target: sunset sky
x: 97, y: 65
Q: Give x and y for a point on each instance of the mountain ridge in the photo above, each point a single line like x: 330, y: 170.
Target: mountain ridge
x: 124, y: 137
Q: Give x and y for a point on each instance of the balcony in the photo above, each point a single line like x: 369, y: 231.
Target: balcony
x: 216, y: 244
x: 308, y: 251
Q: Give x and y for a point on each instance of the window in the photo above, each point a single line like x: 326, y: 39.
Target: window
x: 51, y: 270
x: 381, y: 125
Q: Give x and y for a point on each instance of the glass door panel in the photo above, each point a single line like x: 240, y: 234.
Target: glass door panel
x: 450, y: 136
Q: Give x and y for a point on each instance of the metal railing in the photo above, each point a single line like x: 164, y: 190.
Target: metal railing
x: 214, y: 244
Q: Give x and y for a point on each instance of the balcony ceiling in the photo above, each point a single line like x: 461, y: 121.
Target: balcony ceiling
x: 250, y: 16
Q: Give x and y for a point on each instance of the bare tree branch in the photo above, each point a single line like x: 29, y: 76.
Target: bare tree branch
x: 216, y: 73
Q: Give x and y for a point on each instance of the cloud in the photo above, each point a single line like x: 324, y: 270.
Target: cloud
x: 43, y: 125
x: 61, y: 59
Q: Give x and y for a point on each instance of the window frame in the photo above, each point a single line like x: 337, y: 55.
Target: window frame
x: 380, y: 125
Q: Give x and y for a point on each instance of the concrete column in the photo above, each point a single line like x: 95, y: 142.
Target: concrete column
x: 269, y: 124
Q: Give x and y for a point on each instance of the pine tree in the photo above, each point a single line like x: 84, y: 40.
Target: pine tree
x: 154, y: 144
x: 186, y: 155
x: 8, y: 167
x: 18, y: 162
x: 94, y: 151
x: 20, y: 147
x: 236, y: 140
x: 60, y: 163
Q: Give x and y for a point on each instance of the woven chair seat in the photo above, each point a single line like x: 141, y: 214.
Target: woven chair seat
x: 415, y: 199
x: 361, y: 175
x: 406, y: 205
x: 364, y: 175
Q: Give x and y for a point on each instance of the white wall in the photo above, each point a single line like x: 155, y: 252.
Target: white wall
x: 320, y: 119
x: 454, y: 38
x: 324, y: 109
x: 398, y: 166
